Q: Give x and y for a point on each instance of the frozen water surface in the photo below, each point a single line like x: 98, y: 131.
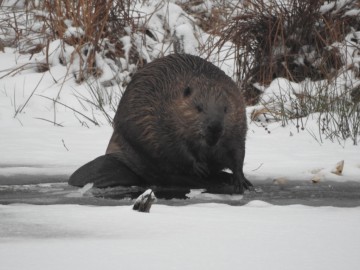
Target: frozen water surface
x: 47, y: 190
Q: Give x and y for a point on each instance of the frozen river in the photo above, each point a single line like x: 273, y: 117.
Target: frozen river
x: 55, y: 190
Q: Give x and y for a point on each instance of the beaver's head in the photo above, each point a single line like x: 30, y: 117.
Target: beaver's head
x: 203, y: 108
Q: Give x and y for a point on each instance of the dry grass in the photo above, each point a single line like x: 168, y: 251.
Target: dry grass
x: 90, y: 27
x: 295, y: 40
x: 290, y: 40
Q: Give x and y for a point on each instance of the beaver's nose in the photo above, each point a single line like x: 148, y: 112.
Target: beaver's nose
x: 213, y: 132
x: 215, y: 127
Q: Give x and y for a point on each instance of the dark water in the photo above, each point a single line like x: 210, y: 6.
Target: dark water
x: 45, y: 190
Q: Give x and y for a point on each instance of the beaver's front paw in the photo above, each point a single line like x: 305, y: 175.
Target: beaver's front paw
x: 242, y: 184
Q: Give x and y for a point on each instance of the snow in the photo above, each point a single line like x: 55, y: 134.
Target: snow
x: 285, y: 152
x: 43, y: 138
x: 204, y: 236
x: 352, y: 13
x: 76, y: 32
x: 327, y: 7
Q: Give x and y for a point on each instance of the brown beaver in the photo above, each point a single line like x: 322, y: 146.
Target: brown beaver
x: 181, y: 121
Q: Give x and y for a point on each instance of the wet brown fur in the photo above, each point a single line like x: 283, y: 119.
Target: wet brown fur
x: 160, y: 131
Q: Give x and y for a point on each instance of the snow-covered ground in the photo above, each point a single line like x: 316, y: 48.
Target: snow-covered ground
x: 257, y: 235
x: 204, y: 236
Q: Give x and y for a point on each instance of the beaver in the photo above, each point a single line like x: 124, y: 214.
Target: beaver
x: 180, y: 122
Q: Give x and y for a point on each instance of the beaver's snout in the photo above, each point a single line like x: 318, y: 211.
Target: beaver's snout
x: 214, y: 131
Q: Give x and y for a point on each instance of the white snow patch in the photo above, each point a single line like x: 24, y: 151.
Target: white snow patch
x: 205, y: 236
x: 76, y: 32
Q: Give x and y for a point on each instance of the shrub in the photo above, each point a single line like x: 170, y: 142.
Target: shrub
x: 291, y: 39
x: 91, y: 27
x: 310, y: 44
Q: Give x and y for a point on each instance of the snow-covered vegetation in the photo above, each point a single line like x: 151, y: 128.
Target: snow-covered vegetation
x: 294, y: 59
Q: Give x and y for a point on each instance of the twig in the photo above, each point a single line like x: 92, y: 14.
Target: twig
x: 66, y: 106
x: 56, y: 124
x: 32, y: 93
x: 64, y: 145
x: 258, y: 167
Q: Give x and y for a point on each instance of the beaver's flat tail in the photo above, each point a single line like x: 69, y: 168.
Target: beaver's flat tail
x: 104, y: 171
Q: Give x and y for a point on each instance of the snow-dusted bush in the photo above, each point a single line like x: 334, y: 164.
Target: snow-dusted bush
x: 293, y: 39
x: 98, y: 39
x: 305, y: 55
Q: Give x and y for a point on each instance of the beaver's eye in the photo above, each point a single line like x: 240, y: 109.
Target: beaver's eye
x: 225, y: 109
x: 187, y: 91
x: 199, y: 108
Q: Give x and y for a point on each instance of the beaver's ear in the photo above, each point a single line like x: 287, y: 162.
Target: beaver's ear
x: 187, y: 91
